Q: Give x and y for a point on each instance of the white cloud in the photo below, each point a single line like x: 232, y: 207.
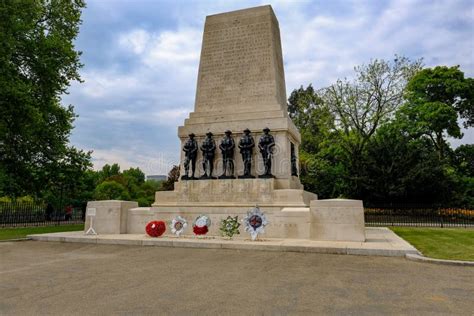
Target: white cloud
x: 325, y: 47
x: 100, y: 84
x: 130, y: 104
x: 119, y: 115
x: 171, y: 117
x: 163, y: 48
x: 135, y: 40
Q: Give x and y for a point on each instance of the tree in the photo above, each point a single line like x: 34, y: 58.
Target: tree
x: 173, y: 176
x: 111, y: 190
x: 464, y: 159
x: 309, y: 114
x: 362, y: 105
x: 66, y: 178
x: 321, y: 170
x: 463, y: 163
x: 435, y: 97
x: 38, y: 61
x: 108, y: 171
x: 399, y: 168
x: 359, y: 107
x: 134, y: 176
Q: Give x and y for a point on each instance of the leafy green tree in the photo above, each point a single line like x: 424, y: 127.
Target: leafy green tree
x: 86, y: 186
x: 463, y: 163
x: 136, y: 174
x: 355, y: 143
x: 399, y: 168
x: 432, y: 119
x: 370, y: 100
x: 143, y: 202
x: 309, y: 114
x: 111, y: 190
x: 360, y: 107
x: 435, y: 97
x: 38, y: 61
x: 148, y: 189
x: 464, y: 159
x: 325, y: 172
x: 66, y: 178
x: 127, y: 185
x: 320, y: 170
x: 109, y: 171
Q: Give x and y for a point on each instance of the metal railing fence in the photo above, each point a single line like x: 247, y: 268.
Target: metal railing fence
x: 418, y: 215
x: 16, y: 214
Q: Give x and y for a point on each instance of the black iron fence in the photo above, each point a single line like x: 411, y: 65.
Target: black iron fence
x: 14, y: 214
x: 418, y: 215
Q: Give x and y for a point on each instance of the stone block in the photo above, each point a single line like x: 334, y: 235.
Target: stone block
x: 110, y: 216
x: 337, y: 220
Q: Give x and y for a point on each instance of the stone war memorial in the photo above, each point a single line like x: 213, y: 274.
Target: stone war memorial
x: 239, y: 146
x: 239, y: 164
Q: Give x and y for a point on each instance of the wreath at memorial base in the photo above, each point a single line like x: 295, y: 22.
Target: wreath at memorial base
x: 230, y: 226
x: 178, y: 225
x: 155, y: 228
x: 255, y: 222
x: 201, y: 225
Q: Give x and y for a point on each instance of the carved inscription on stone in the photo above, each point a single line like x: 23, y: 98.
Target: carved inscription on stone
x: 239, y: 64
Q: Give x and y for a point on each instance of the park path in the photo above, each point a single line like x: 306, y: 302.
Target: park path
x: 38, y: 278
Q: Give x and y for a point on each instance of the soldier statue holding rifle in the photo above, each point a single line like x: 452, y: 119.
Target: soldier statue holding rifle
x: 266, y: 144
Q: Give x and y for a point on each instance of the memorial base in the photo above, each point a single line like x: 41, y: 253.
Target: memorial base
x: 291, y: 213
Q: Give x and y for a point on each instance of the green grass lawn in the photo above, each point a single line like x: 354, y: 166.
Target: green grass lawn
x: 440, y: 243
x: 21, y: 232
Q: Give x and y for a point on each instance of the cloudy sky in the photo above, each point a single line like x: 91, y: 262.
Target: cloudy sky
x: 141, y: 61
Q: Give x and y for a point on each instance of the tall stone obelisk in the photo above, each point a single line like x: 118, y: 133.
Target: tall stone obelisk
x: 241, y: 66
x: 241, y: 84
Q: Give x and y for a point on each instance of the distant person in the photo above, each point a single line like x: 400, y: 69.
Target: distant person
x: 69, y: 210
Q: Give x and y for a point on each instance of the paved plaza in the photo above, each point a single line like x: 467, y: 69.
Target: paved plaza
x: 39, y: 278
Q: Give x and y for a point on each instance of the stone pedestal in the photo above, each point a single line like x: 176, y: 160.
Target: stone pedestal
x: 337, y: 220
x: 111, y: 216
x: 287, y: 210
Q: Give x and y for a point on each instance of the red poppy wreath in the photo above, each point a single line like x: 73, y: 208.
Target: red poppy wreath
x: 201, y: 225
x: 155, y: 228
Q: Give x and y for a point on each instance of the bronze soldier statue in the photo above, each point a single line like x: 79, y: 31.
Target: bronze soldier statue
x: 208, y: 149
x: 246, y: 145
x: 190, y: 153
x: 266, y: 144
x: 227, y: 147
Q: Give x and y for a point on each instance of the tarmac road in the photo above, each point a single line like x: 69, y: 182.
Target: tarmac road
x: 41, y: 278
